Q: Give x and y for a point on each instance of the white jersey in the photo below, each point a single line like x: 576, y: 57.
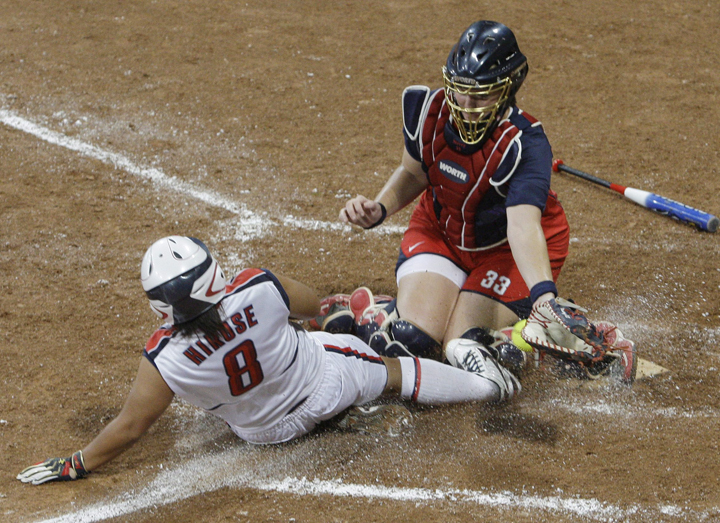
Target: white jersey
x: 257, y: 371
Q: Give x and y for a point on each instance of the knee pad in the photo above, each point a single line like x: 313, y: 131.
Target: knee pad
x: 418, y: 342
x: 479, y: 334
x: 381, y: 343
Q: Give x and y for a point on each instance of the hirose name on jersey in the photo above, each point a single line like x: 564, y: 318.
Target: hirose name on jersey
x: 257, y: 371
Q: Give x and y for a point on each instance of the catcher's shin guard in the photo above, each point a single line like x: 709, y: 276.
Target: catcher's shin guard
x: 381, y: 343
x: 378, y: 341
x: 480, y: 335
x: 402, y: 338
x: 418, y: 342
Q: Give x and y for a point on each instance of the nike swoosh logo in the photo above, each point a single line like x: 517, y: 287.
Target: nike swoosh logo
x: 210, y: 293
x: 410, y: 249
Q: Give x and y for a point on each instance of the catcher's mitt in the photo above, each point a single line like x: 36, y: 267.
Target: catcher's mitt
x: 560, y: 328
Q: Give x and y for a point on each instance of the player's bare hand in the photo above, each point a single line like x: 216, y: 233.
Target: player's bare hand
x: 362, y: 211
x: 55, y: 469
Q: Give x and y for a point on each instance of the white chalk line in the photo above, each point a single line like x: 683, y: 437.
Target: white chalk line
x: 624, y: 410
x: 206, y: 474
x: 252, y: 225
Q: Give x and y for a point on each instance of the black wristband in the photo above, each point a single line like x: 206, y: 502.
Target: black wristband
x: 541, y: 288
x: 383, y: 210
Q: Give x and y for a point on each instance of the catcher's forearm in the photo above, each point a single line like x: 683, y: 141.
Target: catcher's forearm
x: 527, y: 242
x: 406, y: 183
x: 401, y: 189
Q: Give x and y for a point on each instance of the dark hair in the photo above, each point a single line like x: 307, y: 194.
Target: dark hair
x: 209, y: 323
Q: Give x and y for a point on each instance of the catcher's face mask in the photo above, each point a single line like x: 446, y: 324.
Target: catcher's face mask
x: 474, y: 107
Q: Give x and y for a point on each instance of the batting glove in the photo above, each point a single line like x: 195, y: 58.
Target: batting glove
x: 55, y: 469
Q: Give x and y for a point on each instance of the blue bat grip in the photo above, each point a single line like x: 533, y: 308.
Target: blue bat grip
x: 703, y: 220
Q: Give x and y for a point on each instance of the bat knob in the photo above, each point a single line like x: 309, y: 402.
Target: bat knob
x: 556, y: 165
x: 712, y: 225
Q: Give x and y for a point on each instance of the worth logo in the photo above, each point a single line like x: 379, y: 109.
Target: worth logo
x: 453, y: 171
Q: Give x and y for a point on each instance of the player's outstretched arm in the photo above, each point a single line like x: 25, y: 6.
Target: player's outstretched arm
x: 529, y: 249
x: 556, y: 326
x: 304, y: 301
x: 148, y: 399
x: 406, y: 183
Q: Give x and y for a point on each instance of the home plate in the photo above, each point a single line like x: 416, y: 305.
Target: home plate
x: 648, y: 369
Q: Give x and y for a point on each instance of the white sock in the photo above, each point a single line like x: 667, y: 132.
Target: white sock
x: 434, y: 383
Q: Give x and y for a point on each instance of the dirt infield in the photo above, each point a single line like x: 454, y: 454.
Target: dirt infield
x: 248, y: 125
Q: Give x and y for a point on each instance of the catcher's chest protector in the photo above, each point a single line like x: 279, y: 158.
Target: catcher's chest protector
x: 460, y: 181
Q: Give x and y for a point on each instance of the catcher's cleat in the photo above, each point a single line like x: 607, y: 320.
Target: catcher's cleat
x: 360, y: 301
x: 339, y: 320
x: 363, y: 299
x: 371, y: 312
x: 390, y: 420
x: 342, y: 301
x: 473, y: 357
x: 376, y: 318
x: 620, y: 363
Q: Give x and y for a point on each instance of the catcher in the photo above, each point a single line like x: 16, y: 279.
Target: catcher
x: 488, y: 237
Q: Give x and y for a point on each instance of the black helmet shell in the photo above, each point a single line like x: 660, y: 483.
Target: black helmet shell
x: 486, y: 52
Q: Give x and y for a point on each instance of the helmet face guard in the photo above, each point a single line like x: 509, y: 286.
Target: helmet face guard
x: 486, y: 63
x: 475, y: 123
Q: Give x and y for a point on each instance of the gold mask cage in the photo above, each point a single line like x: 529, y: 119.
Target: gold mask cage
x: 473, y: 130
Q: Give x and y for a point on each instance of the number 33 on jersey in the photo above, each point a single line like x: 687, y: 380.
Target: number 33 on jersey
x: 499, y: 284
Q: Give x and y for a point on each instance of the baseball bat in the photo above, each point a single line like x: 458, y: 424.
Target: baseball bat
x: 702, y: 220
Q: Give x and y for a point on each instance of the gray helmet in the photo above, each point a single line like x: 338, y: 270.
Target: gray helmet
x: 485, y: 64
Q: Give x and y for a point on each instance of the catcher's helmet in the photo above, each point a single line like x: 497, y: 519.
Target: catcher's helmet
x: 486, y: 62
x: 181, y: 278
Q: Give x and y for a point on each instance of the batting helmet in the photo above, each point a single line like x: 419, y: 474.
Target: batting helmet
x: 181, y: 278
x: 486, y: 63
